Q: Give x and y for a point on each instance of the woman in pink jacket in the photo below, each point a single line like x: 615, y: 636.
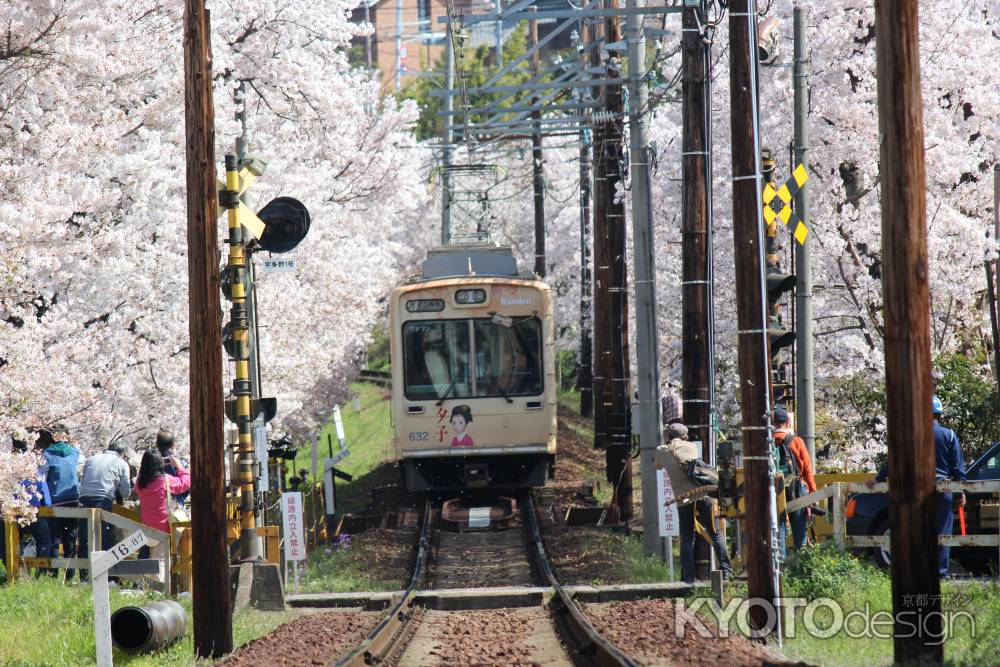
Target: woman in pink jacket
x: 152, y: 486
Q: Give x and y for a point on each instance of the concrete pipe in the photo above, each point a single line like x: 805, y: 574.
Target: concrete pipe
x: 149, y: 628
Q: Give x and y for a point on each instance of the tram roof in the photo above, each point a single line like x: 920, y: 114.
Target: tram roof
x: 481, y: 260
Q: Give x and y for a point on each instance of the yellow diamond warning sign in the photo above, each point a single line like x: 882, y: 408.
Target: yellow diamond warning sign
x: 783, y: 211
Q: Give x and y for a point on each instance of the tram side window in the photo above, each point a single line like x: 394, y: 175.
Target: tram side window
x: 508, y: 359
x: 435, y: 354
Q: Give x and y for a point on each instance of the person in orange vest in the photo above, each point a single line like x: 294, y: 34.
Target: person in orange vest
x: 793, y: 460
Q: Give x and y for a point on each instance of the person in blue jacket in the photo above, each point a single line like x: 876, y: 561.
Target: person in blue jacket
x: 60, y: 469
x: 38, y: 490
x: 948, y: 464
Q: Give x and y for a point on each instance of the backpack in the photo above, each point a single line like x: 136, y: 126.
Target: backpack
x: 788, y: 462
x: 701, y: 473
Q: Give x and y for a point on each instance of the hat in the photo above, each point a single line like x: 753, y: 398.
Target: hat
x: 937, y: 407
x: 677, y: 430
x: 780, y: 415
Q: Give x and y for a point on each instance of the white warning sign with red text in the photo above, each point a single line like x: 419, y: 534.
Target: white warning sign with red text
x: 293, y: 528
x: 668, y: 522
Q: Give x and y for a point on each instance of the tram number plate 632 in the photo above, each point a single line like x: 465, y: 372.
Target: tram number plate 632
x: 419, y: 436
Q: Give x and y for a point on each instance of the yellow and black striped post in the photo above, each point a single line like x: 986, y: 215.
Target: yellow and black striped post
x: 768, y: 167
x: 240, y: 353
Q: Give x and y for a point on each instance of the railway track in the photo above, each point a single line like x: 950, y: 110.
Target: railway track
x: 531, y: 619
x: 382, y: 378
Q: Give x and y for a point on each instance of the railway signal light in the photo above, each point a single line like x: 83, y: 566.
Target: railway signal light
x: 227, y: 276
x: 778, y: 338
x: 265, y: 408
x: 237, y: 347
x: 777, y: 285
x: 286, y: 223
x: 784, y: 393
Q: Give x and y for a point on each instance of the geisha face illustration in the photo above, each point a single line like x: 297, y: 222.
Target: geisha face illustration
x: 461, y: 417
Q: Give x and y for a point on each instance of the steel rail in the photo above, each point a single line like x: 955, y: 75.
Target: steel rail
x: 383, y: 637
x: 589, y: 642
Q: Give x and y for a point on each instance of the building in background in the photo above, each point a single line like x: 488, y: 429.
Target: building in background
x: 408, y: 37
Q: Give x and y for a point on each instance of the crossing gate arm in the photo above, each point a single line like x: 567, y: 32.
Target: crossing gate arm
x: 864, y: 541
x: 839, y: 491
x: 155, y: 537
x: 811, y: 499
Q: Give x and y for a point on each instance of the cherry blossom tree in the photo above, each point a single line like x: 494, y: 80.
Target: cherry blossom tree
x: 15, y: 498
x: 93, y: 301
x: 960, y: 113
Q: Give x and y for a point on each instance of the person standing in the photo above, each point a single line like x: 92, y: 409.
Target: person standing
x: 105, y: 479
x: 691, y: 498
x: 153, y: 486
x: 165, y: 447
x: 948, y: 464
x: 62, y: 460
x: 38, y: 491
x: 793, y: 460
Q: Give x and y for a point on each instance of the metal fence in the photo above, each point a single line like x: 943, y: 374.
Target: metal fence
x: 173, y: 551
x: 159, y: 542
x: 838, y: 493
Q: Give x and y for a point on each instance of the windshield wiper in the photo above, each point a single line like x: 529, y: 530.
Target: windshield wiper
x: 448, y: 391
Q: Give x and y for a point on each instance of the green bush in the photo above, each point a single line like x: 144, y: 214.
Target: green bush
x: 378, y: 351
x: 569, y: 366
x: 823, y: 571
x: 970, y: 402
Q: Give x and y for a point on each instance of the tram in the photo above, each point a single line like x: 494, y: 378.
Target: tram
x: 473, y: 373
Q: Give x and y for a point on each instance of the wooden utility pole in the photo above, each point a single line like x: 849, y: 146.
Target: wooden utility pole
x: 213, y: 619
x: 751, y: 306
x: 612, y: 430
x: 537, y: 157
x: 694, y: 225
x: 585, y: 374
x: 991, y: 266
x: 906, y: 296
x: 695, y: 351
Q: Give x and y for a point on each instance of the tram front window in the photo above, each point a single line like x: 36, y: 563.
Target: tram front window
x: 436, y: 354
x: 508, y: 359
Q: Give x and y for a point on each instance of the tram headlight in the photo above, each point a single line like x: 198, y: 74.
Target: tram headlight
x: 470, y: 296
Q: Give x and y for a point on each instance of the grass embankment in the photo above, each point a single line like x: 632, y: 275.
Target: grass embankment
x: 367, y: 561
x: 375, y: 560
x: 581, y: 429
x: 368, y: 435
x: 48, y: 623
x: 862, y: 594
